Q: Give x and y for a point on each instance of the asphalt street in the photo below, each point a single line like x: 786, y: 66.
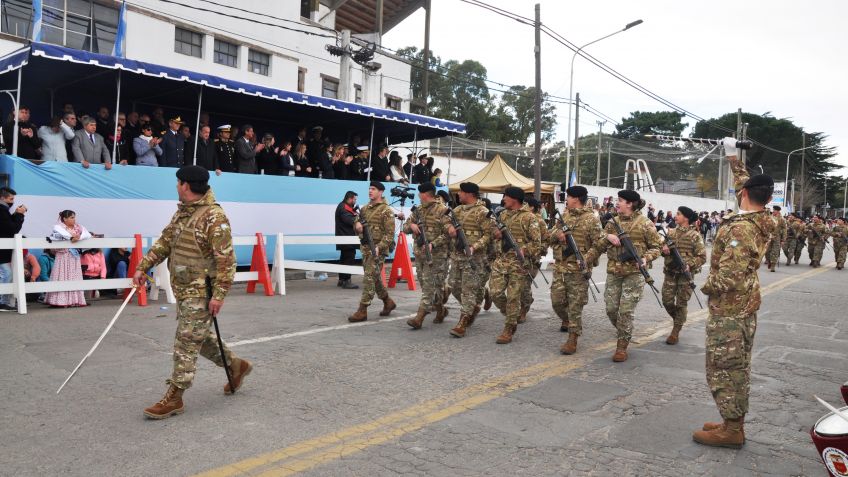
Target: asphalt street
x: 328, y: 398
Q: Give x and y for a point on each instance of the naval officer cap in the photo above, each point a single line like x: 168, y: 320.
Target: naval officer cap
x: 195, y: 174
x: 469, y: 187
x: 629, y: 195
x: 378, y: 185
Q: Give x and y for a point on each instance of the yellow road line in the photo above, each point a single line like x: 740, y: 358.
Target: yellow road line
x: 332, y: 446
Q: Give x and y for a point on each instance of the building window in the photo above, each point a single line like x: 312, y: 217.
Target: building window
x: 226, y: 53
x: 329, y: 87
x: 301, y: 80
x: 393, y: 102
x: 188, y: 42
x: 357, y: 93
x: 258, y: 62
x: 80, y: 24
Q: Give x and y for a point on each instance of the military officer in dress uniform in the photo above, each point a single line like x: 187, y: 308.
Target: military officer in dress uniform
x: 225, y: 151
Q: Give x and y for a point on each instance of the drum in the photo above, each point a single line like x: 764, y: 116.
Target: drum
x: 830, y: 435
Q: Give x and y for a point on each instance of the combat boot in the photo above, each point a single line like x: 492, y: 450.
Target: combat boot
x: 459, y: 330
x: 388, y: 306
x: 674, y: 337
x: 620, y: 355
x: 570, y: 346
x: 416, y: 322
x: 360, y: 315
x: 239, y: 369
x: 170, y: 405
x: 347, y: 285
x: 473, y: 315
x: 729, y: 434
x: 441, y: 314
x: 487, y: 300
x: 564, y: 326
x: 522, y: 318
x: 506, y: 335
x: 788, y: 262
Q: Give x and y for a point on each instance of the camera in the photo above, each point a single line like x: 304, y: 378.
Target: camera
x: 402, y: 192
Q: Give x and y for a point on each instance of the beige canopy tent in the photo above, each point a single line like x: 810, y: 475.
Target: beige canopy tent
x: 497, y: 176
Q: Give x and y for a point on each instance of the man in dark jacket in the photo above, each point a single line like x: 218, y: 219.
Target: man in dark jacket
x: 173, y: 145
x: 205, y: 150
x: 421, y: 173
x: 345, y: 216
x: 28, y: 140
x: 10, y: 224
x: 380, y: 166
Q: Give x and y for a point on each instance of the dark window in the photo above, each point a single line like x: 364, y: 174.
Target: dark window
x: 188, y: 42
x: 258, y: 62
x: 330, y: 88
x: 81, y: 24
x: 17, y: 18
x: 301, y: 80
x: 393, y: 102
x: 357, y: 93
x: 226, y: 53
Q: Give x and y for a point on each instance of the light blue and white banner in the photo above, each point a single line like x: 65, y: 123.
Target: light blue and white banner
x: 37, y: 13
x: 119, y: 49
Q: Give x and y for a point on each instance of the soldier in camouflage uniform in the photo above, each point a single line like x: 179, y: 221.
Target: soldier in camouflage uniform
x: 778, y: 240
x: 801, y: 240
x: 199, y: 248
x: 535, y: 207
x: 431, y: 275
x: 840, y: 241
x: 625, y: 282
x: 570, y: 286
x: 677, y: 289
x: 491, y: 255
x: 793, y: 230
x: 468, y: 283
x: 817, y: 235
x: 381, y: 224
x: 733, y: 288
x: 509, y: 276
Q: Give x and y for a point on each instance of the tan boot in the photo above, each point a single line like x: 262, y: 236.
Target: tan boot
x: 730, y: 434
x: 487, y: 300
x: 506, y: 335
x: 446, y: 295
x: 360, y: 315
x: 711, y: 426
x: 416, y: 322
x: 570, y: 346
x: 170, y: 405
x: 620, y: 355
x: 441, y: 314
x: 523, y: 317
x: 674, y: 337
x: 459, y: 330
x: 388, y: 306
x: 473, y: 315
x: 239, y: 369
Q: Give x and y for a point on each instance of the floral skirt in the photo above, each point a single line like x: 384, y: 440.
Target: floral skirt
x: 66, y: 268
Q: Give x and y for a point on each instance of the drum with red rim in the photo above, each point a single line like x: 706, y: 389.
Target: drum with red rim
x: 830, y: 435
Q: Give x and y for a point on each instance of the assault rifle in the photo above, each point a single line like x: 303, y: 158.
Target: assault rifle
x: 366, y: 233
x: 678, y: 261
x: 422, y: 236
x: 818, y: 235
x: 461, y: 239
x: 510, y: 244
x: 630, y: 253
x: 572, y: 248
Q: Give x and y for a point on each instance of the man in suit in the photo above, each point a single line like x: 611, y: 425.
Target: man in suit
x: 246, y: 150
x: 89, y: 147
x: 173, y: 145
x: 409, y: 166
x: 380, y: 165
x: 205, y: 150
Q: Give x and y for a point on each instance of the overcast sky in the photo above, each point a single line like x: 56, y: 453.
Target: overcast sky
x: 785, y: 57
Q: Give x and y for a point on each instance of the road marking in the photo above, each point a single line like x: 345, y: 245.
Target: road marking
x: 313, y: 452
x: 313, y: 331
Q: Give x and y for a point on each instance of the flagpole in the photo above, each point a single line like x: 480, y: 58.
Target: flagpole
x: 117, y: 109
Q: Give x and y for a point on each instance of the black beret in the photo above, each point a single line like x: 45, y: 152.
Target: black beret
x: 426, y: 187
x: 193, y: 174
x: 776, y: 208
x: 577, y: 191
x: 759, y: 180
x: 688, y: 213
x: 378, y: 185
x: 469, y: 187
x: 515, y: 193
x: 532, y: 202
x: 629, y: 195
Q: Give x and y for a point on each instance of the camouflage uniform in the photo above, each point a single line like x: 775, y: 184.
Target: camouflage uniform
x: 677, y: 290
x: 199, y: 247
x: 569, y: 289
x: 817, y: 235
x: 509, y: 278
x: 840, y: 244
x: 776, y: 241
x: 381, y: 224
x: 733, y: 288
x: 431, y: 276
x: 793, y: 231
x: 801, y: 240
x: 468, y: 272
x: 624, y: 281
x: 536, y: 261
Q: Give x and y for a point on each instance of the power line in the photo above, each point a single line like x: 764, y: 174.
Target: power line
x: 320, y: 27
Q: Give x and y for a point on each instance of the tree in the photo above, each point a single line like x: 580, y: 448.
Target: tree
x: 516, y: 116
x: 639, y: 123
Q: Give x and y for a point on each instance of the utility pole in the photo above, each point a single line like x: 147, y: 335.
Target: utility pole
x: 426, y: 85
x: 576, y: 137
x: 345, y: 65
x: 803, y: 165
x: 609, y: 160
x: 598, y: 166
x: 537, y: 152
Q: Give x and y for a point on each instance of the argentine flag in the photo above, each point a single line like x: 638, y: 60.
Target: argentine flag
x: 119, y: 49
x: 36, y: 20
x: 573, y: 179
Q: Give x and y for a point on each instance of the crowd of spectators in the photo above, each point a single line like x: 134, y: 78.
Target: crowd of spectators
x: 152, y: 141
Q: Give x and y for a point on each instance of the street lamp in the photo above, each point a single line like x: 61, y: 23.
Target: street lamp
x: 844, y: 196
x: 571, y: 90
x: 787, y: 172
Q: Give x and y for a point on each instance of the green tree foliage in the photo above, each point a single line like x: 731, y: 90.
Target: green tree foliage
x: 639, y: 123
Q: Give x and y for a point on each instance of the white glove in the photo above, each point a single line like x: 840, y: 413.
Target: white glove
x: 729, y: 144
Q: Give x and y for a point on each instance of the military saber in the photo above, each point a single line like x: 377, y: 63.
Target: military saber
x: 698, y: 140
x: 678, y: 259
x: 102, y: 335
x: 630, y: 249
